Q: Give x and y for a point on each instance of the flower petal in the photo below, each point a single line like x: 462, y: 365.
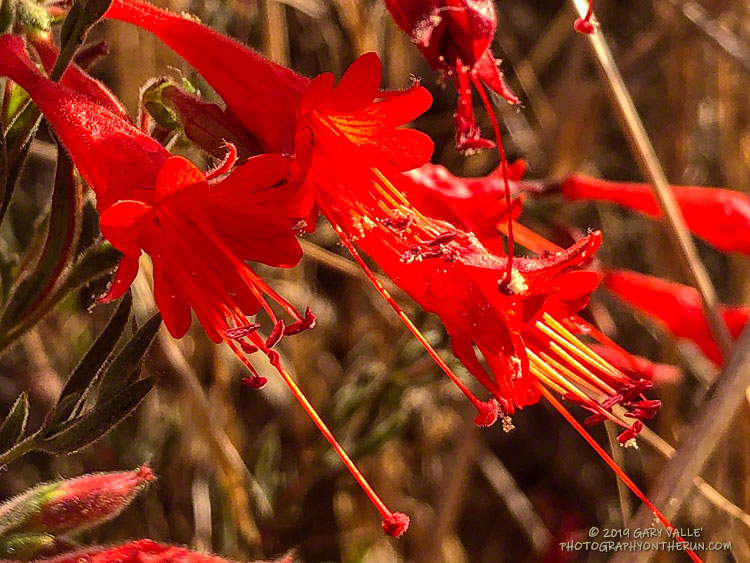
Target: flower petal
x: 122, y: 224
x: 175, y: 310
x: 359, y: 85
x: 720, y: 216
x: 123, y: 279
x: 177, y: 173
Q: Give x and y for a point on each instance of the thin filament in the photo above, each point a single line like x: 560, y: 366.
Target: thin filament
x: 616, y: 468
x: 503, y: 168
x: 410, y: 325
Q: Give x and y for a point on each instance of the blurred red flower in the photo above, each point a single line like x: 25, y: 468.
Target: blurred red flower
x: 719, y: 216
x: 676, y: 307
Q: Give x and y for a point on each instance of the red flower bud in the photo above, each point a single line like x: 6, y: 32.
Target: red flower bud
x: 74, y: 505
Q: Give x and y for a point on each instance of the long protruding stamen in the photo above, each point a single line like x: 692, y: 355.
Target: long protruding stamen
x: 394, y: 523
x: 579, y: 348
x: 616, y: 468
x: 488, y: 410
x: 503, y: 168
x: 546, y: 372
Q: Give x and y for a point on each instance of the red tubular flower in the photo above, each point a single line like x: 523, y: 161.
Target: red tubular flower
x: 677, y: 308
x: 165, y: 206
x: 510, y: 319
x: 455, y: 37
x: 719, y: 216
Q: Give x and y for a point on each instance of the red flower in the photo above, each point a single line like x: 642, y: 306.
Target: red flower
x: 455, y: 37
x: 511, y: 320
x: 677, y: 308
x: 719, y: 216
x: 196, y: 234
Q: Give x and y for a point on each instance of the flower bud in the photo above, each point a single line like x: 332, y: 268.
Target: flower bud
x: 73, y: 505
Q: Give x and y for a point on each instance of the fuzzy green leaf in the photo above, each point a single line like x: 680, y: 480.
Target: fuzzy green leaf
x: 80, y: 381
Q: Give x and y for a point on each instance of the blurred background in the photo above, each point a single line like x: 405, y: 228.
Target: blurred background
x: 244, y: 473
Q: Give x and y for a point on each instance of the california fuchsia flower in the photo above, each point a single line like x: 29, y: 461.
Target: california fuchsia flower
x: 455, y: 37
x: 141, y: 551
x: 164, y: 205
x: 74, y: 505
x: 719, y: 216
x: 677, y: 308
x: 512, y: 315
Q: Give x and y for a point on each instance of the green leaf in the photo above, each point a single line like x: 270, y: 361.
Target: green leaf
x: 81, y: 17
x: 127, y: 365
x: 96, y: 262
x: 99, y: 421
x: 83, y: 376
x: 61, y: 241
x: 12, y: 428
